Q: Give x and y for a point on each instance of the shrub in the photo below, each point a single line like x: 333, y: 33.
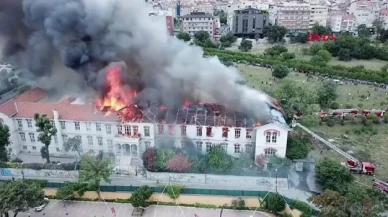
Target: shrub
x: 141, y: 195
x: 303, y: 207
x: 173, y: 191
x: 280, y: 72
x: 179, y: 163
x: 17, y: 160
x: 331, y: 122
x: 149, y: 159
x: 334, y: 105
x: 349, y: 106
x: 274, y: 202
x: 325, y: 55
x: 238, y: 204
x: 288, y: 56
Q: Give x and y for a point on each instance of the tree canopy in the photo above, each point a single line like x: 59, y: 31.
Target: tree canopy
x: 245, y: 45
x: 327, y: 93
x: 140, y: 197
x: 4, y: 142
x: 46, y: 130
x: 219, y: 160
x: 184, y: 36
x: 275, y: 33
x: 280, y: 72
x: 74, y: 144
x: 332, y: 175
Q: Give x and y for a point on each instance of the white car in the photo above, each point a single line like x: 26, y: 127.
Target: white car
x: 41, y: 207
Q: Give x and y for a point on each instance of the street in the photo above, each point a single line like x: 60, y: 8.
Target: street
x: 56, y: 208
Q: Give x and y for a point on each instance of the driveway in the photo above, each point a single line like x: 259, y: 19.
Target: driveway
x: 98, y: 209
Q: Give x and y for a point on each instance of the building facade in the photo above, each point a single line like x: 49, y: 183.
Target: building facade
x: 249, y: 22
x: 200, y: 21
x: 365, y: 12
x: 294, y: 16
x: 384, y: 17
x: 164, y: 19
x: 107, y: 133
x: 318, y: 14
x: 342, y: 22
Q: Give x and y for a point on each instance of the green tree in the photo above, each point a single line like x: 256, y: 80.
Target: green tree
x: 46, y: 130
x: 183, y: 36
x: 325, y: 55
x: 94, y: 169
x: 245, y: 45
x: 228, y: 39
x: 238, y: 204
x: 162, y: 157
x: 223, y: 16
x: 274, y: 202
x: 280, y: 72
x: 327, y: 93
x: 311, y: 120
x: 363, y: 31
x: 201, y: 36
x: 74, y: 144
x: 344, y: 54
x: 297, y: 148
x: 70, y: 189
x: 243, y: 161
x: 320, y: 30
x: 275, y: 50
x: 299, y: 38
x: 332, y: 175
x: 378, y: 25
x: 275, y: 33
x: 219, y: 160
x: 331, y: 203
x: 276, y: 162
x: 4, y: 142
x: 318, y: 60
x: 305, y: 208
x: 140, y: 197
x: 288, y: 56
x: 19, y: 196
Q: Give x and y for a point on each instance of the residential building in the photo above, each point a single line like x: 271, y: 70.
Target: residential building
x: 340, y: 21
x: 384, y: 17
x: 295, y: 16
x: 349, y: 23
x: 111, y: 133
x: 200, y: 21
x: 365, y: 12
x: 163, y: 18
x: 250, y: 22
x: 335, y: 21
x: 318, y: 14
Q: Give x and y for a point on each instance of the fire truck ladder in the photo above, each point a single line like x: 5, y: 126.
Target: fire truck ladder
x: 324, y: 141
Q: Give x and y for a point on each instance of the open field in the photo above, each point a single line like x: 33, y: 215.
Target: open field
x: 368, y: 146
x: 297, y: 49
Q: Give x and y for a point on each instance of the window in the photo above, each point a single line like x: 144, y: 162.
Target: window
x: 119, y: 129
x: 63, y: 125
x: 199, y: 131
x: 77, y: 126
x: 98, y: 127
x: 64, y: 138
x: 99, y: 141
x: 248, y: 148
x: 269, y: 152
x: 20, y: 123
x: 171, y: 129
x: 274, y: 137
x: 199, y: 146
x: 160, y: 129
x: 29, y: 123
x: 268, y: 137
x: 108, y: 129
x: 237, y: 148
x: 110, y: 145
x: 225, y: 132
x: 209, y: 132
x: 183, y: 130
x: 22, y: 136
x: 135, y: 130
x: 88, y: 126
x: 237, y: 133
x: 90, y: 141
x: 208, y: 147
x: 127, y: 130
x: 249, y: 133
x: 24, y: 147
x: 55, y: 139
x: 33, y: 147
x: 224, y: 146
x: 147, y: 131
x: 32, y: 137
x: 147, y: 144
x: 58, y: 150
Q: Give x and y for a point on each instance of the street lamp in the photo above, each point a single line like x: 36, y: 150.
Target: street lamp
x: 222, y: 209
x: 276, y: 181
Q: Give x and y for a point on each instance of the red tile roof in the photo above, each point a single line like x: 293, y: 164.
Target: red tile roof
x: 27, y: 104
x: 384, y: 12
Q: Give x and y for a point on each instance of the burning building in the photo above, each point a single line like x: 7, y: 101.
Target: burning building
x: 150, y: 89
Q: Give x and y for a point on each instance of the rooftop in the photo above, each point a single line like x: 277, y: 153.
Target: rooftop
x: 198, y: 15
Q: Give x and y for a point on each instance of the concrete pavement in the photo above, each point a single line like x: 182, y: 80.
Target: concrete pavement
x: 99, y: 209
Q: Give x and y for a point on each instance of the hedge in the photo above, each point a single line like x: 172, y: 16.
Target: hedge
x: 356, y: 72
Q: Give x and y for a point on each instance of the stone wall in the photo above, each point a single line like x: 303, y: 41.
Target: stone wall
x: 267, y: 182
x: 11, y: 172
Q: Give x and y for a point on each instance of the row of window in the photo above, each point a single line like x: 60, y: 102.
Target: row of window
x: 271, y: 137
x: 209, y: 131
x: 224, y: 146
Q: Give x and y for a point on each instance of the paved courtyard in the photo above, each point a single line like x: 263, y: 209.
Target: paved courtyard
x: 98, y: 209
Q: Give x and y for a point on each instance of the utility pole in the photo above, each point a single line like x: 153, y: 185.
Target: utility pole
x: 21, y: 168
x: 276, y: 180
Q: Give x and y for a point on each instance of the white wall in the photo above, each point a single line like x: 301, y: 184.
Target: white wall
x: 262, y: 144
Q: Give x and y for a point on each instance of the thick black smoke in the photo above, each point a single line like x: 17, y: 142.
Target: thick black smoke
x: 88, y: 35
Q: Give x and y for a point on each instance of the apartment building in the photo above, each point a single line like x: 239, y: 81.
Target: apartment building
x: 340, y: 21
x: 295, y: 16
x: 365, y: 12
x: 318, y: 14
x: 200, y: 21
x: 110, y: 134
x: 163, y: 18
x: 250, y: 22
x: 384, y: 17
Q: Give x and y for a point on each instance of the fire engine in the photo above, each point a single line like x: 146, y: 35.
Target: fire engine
x: 361, y: 167
x: 353, y: 112
x: 381, y: 185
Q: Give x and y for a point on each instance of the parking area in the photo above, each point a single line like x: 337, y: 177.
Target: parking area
x: 97, y: 209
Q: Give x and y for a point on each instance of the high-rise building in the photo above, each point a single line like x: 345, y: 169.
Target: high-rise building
x: 295, y: 16
x: 249, y: 22
x: 200, y: 21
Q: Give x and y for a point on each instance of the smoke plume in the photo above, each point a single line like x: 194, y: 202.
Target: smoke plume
x: 87, y: 36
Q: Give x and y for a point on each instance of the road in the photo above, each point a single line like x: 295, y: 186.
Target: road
x: 100, y: 209
x: 128, y: 181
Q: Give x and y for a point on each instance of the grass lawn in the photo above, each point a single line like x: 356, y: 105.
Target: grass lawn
x: 360, y: 144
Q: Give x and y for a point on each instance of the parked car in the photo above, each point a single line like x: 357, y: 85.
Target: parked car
x: 41, y: 207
